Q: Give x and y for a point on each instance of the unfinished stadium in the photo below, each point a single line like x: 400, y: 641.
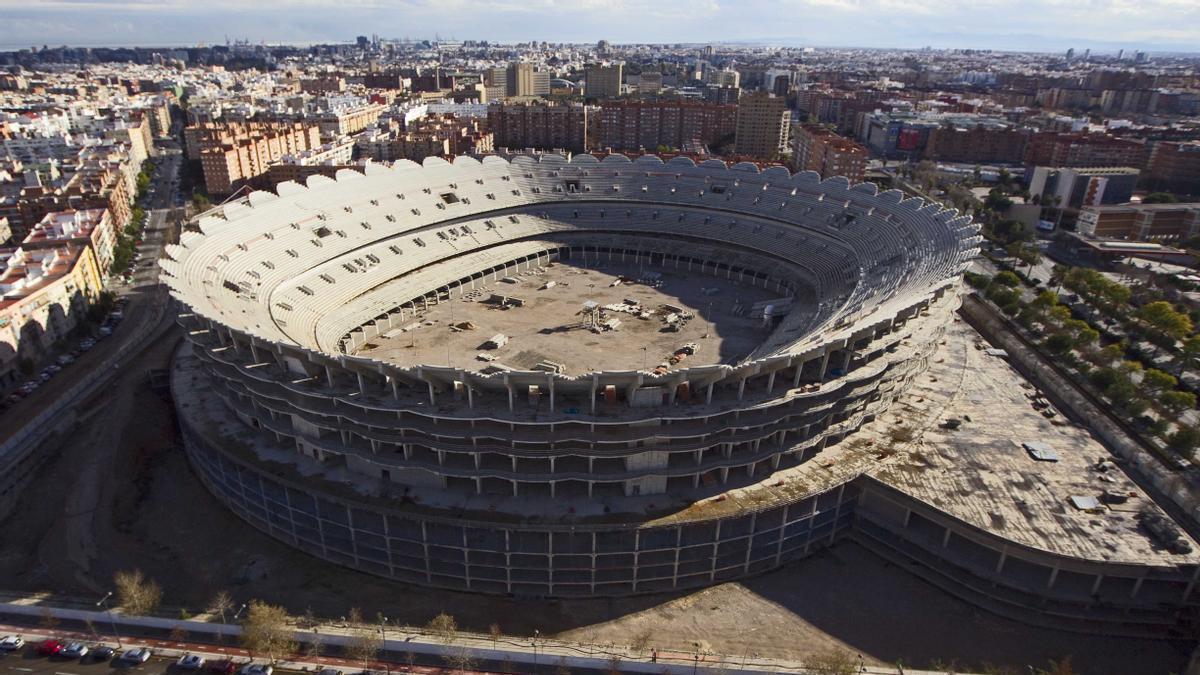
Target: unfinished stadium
x: 552, y: 377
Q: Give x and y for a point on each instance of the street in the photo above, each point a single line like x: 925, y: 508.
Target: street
x: 143, y: 295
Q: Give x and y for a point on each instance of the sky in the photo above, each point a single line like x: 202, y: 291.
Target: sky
x: 1041, y: 25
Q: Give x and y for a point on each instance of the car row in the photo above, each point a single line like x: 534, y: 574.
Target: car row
x: 75, y: 650
x: 138, y: 655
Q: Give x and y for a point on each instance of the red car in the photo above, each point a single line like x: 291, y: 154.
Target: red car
x: 222, y: 667
x: 49, y: 648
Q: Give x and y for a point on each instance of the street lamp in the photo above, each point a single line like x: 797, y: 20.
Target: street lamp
x: 103, y: 602
x: 536, y: 633
x: 239, y: 612
x: 383, y: 640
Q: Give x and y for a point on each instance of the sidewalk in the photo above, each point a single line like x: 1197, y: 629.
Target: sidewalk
x: 403, y: 646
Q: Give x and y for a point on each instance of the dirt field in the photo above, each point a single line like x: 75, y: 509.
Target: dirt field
x: 123, y: 496
x: 549, y: 326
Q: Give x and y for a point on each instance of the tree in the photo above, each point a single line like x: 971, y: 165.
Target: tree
x: 365, y: 643
x: 444, y: 627
x: 1059, y: 343
x: 135, y: 593
x: 494, y: 631
x: 221, y: 603
x: 1191, y: 346
x: 266, y: 631
x: 1162, y: 317
x: 832, y: 662
x: 1177, y: 401
x: 1157, y: 381
x: 1185, y: 440
x: 1008, y: 279
x: 1160, y: 198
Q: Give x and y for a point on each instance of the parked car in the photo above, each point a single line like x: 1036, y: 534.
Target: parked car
x: 102, y: 652
x: 11, y: 643
x: 75, y: 650
x: 49, y: 647
x: 190, y: 662
x: 66, y: 360
x: 257, y: 669
x: 222, y: 667
x: 139, y: 655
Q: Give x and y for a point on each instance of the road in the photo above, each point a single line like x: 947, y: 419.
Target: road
x: 144, y: 296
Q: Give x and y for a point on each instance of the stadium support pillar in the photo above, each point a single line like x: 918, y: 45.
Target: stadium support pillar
x: 708, y: 396
x: 362, y: 384
x: 550, y: 386
x: 508, y: 386
x: 796, y: 375
x: 824, y: 365
x: 771, y: 382
x: 741, y: 388
x: 1191, y: 584
x: 1137, y: 586
x: 432, y: 397
x: 395, y: 388
x: 329, y: 376
x: 1096, y: 586
x: 945, y: 537
x: 470, y: 394
x: 846, y: 361
x: 1000, y: 562
x: 1053, y: 577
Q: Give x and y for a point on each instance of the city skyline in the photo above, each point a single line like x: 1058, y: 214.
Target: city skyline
x: 1155, y: 25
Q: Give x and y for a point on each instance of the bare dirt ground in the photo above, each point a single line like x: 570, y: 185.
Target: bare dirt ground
x: 121, y: 495
x: 549, y: 325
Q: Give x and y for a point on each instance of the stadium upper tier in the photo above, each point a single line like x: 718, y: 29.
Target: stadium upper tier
x: 322, y: 266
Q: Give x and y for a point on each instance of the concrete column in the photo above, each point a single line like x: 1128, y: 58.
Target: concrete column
x: 741, y: 388
x: 514, y: 484
x: 945, y: 538
x: 432, y: 397
x: 1096, y: 586
x: 1053, y: 577
x: 550, y: 384
x: 508, y: 386
x: 1000, y: 563
x: 395, y: 389
x: 771, y: 381
x: 846, y: 361
x: 824, y: 366
x: 362, y: 385
x: 796, y: 376
x: 1137, y: 586
x: 708, y: 396
x: 470, y: 394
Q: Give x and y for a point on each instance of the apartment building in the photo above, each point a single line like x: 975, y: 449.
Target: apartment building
x: 1174, y: 167
x: 1081, y: 150
x: 762, y: 125
x: 1140, y: 222
x: 637, y: 125
x: 44, y: 293
x: 604, y: 81
x: 978, y: 144
x: 93, y: 227
x: 345, y: 121
x: 230, y: 157
x: 544, y: 126
x: 817, y: 148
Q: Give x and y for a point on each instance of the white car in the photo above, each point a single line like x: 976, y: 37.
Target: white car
x: 190, y: 662
x: 257, y: 669
x: 139, y: 655
x: 11, y: 643
x: 75, y: 650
